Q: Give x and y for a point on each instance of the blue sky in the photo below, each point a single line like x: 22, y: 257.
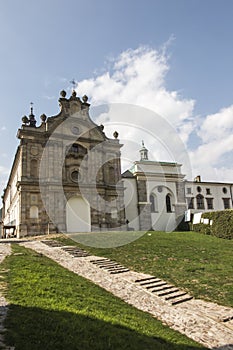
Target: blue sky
x: 186, y: 44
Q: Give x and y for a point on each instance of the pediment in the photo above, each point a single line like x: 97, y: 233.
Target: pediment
x: 75, y: 126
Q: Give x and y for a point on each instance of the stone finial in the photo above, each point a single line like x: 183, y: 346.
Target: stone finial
x: 25, y: 120
x: 43, y: 118
x: 74, y: 93
x: 85, y: 98
x: 115, y: 134
x: 32, y: 120
x: 63, y: 93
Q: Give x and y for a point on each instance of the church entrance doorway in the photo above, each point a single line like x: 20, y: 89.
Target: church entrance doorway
x: 78, y: 218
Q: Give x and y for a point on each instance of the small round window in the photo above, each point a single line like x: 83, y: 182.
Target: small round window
x: 75, y: 130
x: 75, y: 176
x: 198, y: 189
x: 160, y: 189
x: 224, y: 190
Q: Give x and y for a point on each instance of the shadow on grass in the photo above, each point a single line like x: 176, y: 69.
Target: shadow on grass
x: 39, y: 329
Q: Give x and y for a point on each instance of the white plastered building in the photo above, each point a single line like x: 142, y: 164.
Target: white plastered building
x: 154, y: 194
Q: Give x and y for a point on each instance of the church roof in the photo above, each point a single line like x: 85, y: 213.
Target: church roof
x: 127, y: 174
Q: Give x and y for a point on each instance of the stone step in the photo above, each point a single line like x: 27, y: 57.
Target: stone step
x: 73, y: 250
x: 150, y: 282
x: 176, y: 295
x: 102, y: 266
x: 110, y: 266
x: 166, y: 289
x: 81, y: 255
x: 76, y: 253
x: 145, y: 279
x: 159, y: 284
x: 120, y: 271
x: 168, y: 292
x: 52, y: 243
x: 97, y: 262
x: 182, y: 300
x: 117, y: 267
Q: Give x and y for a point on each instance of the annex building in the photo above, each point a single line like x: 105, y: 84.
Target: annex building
x: 66, y: 177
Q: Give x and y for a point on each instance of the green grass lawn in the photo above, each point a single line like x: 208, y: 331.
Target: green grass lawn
x: 53, y: 308
x: 202, y: 265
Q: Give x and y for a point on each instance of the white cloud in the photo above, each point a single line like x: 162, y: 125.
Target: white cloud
x: 216, y: 133
x: 217, y: 126
x: 138, y: 77
x: 212, y: 151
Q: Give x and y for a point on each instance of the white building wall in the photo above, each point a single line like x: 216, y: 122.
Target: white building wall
x: 131, y: 202
x: 217, y: 191
x: 161, y: 180
x: 161, y: 219
x: 12, y: 201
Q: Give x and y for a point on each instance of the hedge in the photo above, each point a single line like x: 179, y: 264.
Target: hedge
x: 222, y: 224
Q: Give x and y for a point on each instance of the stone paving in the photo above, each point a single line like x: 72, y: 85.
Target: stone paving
x: 205, y: 322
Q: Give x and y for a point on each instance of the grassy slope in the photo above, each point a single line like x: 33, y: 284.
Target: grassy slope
x: 198, y: 263
x: 52, y: 308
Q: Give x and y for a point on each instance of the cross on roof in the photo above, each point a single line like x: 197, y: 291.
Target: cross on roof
x: 31, y: 104
x: 74, y: 83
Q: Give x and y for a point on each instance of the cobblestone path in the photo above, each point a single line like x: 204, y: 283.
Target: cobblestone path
x: 205, y: 322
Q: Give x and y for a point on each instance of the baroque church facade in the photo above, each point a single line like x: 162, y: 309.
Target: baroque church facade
x: 66, y: 177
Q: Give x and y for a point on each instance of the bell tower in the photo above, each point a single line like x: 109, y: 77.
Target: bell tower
x: 143, y: 152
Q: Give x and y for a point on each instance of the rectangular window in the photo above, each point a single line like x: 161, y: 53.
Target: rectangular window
x: 226, y: 203
x: 208, y: 191
x: 209, y: 202
x: 189, y: 190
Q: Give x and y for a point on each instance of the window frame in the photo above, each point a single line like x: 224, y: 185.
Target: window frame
x: 210, y: 203
x: 200, y: 201
x: 168, y: 203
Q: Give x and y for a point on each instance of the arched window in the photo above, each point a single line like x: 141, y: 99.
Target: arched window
x: 34, y: 168
x: 34, y: 212
x: 76, y: 149
x: 200, y: 201
x: 154, y: 203
x: 168, y: 203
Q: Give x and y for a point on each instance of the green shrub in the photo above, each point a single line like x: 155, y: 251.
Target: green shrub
x: 221, y: 227
x: 202, y: 228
